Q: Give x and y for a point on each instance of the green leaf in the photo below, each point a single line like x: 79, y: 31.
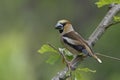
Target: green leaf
x: 68, y: 53
x: 86, y: 70
x: 78, y: 75
x: 52, y: 59
x: 46, y: 48
x: 102, y: 3
x: 116, y: 18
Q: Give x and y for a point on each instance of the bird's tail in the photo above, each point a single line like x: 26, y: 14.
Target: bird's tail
x: 97, y: 58
x: 91, y: 53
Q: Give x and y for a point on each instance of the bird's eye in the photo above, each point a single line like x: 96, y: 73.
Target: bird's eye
x: 63, y: 24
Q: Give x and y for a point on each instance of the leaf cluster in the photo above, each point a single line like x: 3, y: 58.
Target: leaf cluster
x: 76, y: 75
x: 102, y: 3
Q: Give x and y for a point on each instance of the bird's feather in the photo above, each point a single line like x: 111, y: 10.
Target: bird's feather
x: 74, y: 39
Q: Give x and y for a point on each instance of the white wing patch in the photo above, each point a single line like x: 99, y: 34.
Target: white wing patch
x: 69, y: 40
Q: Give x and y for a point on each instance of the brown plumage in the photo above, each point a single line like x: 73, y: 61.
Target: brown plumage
x: 73, y: 41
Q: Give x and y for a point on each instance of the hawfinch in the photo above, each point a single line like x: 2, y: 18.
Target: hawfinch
x: 73, y: 41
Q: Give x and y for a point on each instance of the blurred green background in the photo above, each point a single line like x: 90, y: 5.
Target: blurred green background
x: 25, y: 25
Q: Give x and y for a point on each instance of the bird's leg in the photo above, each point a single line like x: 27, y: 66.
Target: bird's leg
x: 74, y: 62
x: 61, y: 50
x: 68, y: 63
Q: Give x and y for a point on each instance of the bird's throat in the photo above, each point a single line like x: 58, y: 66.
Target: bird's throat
x: 60, y: 31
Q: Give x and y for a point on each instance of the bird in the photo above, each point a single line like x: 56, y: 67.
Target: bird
x: 73, y: 41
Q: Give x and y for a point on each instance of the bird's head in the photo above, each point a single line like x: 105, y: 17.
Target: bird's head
x: 64, y: 26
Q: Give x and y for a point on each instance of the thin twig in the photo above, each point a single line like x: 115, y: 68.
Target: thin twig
x: 60, y: 75
x: 113, y: 23
x: 108, y: 56
x: 56, y: 49
x: 59, y: 50
x: 73, y: 62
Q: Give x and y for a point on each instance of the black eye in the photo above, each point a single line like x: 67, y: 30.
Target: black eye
x: 63, y: 24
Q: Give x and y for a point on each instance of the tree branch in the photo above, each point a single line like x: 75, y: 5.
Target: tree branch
x: 103, y: 25
x: 94, y: 37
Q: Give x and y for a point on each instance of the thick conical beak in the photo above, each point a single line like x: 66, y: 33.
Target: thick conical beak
x: 58, y: 26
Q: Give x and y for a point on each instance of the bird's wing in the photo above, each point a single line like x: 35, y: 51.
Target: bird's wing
x: 74, y: 40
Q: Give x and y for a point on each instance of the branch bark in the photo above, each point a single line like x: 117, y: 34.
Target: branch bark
x: 94, y: 37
